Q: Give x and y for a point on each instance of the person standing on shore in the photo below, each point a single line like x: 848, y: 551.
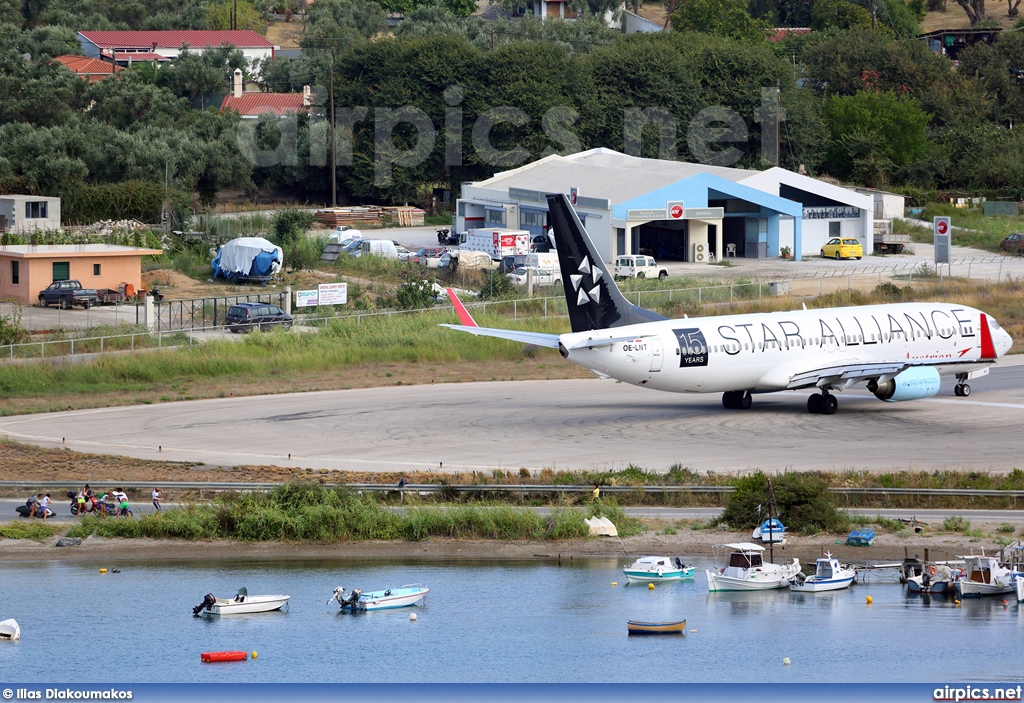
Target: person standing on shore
x: 597, y: 492
x: 156, y: 499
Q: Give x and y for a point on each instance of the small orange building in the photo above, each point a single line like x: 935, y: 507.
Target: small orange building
x: 26, y: 269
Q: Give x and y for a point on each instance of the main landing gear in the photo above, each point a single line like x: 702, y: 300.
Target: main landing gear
x: 822, y: 404
x: 737, y: 400
x: 961, y: 388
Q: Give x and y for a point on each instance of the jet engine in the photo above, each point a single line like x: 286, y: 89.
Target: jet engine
x: 912, y: 384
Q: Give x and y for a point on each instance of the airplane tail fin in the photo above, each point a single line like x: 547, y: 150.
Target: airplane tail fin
x: 593, y: 299
x: 464, y: 317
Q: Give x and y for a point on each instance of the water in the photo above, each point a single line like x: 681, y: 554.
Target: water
x: 485, y: 622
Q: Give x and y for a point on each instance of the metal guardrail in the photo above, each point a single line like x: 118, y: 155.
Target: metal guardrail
x: 500, y: 488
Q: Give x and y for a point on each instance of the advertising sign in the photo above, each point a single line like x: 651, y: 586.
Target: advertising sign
x: 306, y: 298
x: 676, y: 210
x: 333, y: 293
x: 574, y: 196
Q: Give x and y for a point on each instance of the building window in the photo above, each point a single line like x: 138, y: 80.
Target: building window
x: 95, y: 269
x: 15, y: 273
x: 494, y: 218
x: 61, y: 270
x: 35, y: 210
x: 833, y: 229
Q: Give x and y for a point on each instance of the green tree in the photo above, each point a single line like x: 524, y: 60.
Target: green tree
x: 192, y: 73
x: 218, y: 16
x: 878, y: 137
x: 722, y: 18
x: 838, y: 14
x: 127, y: 100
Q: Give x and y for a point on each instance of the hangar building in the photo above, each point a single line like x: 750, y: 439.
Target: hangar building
x: 672, y: 210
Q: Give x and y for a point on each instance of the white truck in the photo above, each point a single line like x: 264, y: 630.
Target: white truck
x: 497, y: 242
x: 888, y: 242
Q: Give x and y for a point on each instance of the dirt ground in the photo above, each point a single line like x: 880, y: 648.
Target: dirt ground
x: 686, y: 543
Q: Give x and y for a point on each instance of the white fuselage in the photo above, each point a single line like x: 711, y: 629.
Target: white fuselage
x: 761, y: 352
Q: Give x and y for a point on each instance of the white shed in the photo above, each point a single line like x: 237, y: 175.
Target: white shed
x: 25, y: 213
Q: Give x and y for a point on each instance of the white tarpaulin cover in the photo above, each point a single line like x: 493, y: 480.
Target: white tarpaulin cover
x: 236, y: 257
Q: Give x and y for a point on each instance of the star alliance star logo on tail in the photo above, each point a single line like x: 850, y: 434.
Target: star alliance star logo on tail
x: 584, y: 296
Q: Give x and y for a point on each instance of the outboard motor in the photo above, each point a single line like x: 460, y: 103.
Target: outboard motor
x: 208, y: 601
x: 679, y: 563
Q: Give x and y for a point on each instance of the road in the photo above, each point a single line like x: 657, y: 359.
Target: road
x: 573, y: 424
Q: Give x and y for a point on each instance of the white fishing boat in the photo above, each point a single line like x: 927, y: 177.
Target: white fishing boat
x: 1019, y: 581
x: 747, y: 571
x: 242, y: 603
x: 984, y: 576
x: 9, y: 630
x: 771, y: 530
x: 651, y: 569
x: 829, y: 575
x: 409, y: 594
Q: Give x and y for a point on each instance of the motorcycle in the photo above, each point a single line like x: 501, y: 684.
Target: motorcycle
x: 446, y: 237
x: 26, y: 511
x: 92, y: 505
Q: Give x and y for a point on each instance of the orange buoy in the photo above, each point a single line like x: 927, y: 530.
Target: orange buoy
x: 223, y: 656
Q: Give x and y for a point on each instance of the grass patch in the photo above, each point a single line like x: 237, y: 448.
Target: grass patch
x: 34, y: 530
x: 956, y: 523
x: 970, y: 227
x: 310, y: 512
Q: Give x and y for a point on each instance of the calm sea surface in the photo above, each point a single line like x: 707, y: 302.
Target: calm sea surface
x: 485, y: 622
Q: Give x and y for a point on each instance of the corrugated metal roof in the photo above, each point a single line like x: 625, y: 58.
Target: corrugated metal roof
x: 783, y: 33
x: 86, y: 68
x: 604, y: 173
x: 199, y: 38
x: 255, y: 104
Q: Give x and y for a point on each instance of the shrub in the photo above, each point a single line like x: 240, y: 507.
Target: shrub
x: 1005, y: 527
x: 956, y: 523
x: 803, y: 503
x: 290, y: 223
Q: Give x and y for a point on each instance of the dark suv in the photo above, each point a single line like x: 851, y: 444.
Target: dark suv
x: 244, y: 317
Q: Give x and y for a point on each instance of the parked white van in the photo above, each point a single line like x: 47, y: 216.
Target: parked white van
x: 377, y: 247
x: 343, y: 234
x: 638, y: 266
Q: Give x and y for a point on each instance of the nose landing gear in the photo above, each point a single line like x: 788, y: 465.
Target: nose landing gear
x: 822, y: 403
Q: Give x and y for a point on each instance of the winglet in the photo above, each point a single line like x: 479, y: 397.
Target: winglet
x: 464, y: 317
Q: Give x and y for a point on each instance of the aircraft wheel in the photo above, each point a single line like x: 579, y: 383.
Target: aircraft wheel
x: 965, y: 390
x: 829, y: 405
x: 958, y: 390
x: 744, y: 400
x: 814, y: 404
x: 729, y: 400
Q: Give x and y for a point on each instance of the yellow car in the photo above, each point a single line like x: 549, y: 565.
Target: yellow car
x: 837, y: 248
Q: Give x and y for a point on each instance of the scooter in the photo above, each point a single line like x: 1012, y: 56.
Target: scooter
x: 93, y: 505
x: 26, y: 511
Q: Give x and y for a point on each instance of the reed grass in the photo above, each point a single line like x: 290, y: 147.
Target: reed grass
x: 34, y: 530
x: 310, y: 512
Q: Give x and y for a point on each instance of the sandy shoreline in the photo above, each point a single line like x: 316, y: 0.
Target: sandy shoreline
x: 686, y: 543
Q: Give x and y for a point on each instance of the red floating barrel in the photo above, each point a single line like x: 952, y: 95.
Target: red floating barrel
x: 224, y: 656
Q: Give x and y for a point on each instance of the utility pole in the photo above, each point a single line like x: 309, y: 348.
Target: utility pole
x: 334, y: 149
x: 778, y: 123
x: 874, y: 11
x: 234, y: 16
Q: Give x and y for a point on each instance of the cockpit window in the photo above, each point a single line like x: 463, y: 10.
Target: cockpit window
x: 993, y: 324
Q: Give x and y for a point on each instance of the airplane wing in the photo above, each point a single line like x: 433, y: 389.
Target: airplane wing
x: 469, y: 325
x: 846, y: 375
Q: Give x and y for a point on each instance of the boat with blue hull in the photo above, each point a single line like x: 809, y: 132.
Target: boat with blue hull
x: 409, y: 594
x: 829, y: 575
x: 771, y: 530
x: 654, y: 569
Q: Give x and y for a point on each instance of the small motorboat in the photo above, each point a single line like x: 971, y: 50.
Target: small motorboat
x: 936, y: 579
x: 241, y: 603
x: 409, y: 594
x: 646, y: 569
x: 861, y: 538
x: 771, y: 530
x: 9, y: 630
x: 746, y: 570
x: 635, y: 627
x: 829, y: 575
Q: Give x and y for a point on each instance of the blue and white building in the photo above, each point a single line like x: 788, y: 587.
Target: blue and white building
x: 673, y: 210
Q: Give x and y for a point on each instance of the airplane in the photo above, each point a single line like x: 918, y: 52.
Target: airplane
x: 900, y: 350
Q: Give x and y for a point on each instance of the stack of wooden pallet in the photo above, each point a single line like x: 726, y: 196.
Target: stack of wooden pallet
x: 403, y: 216
x: 332, y: 217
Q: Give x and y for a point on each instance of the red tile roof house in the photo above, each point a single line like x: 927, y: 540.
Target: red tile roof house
x: 87, y: 69
x: 168, y: 44
x: 251, y: 105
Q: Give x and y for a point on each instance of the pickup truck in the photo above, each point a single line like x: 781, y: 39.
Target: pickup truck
x: 887, y: 241
x: 67, y: 293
